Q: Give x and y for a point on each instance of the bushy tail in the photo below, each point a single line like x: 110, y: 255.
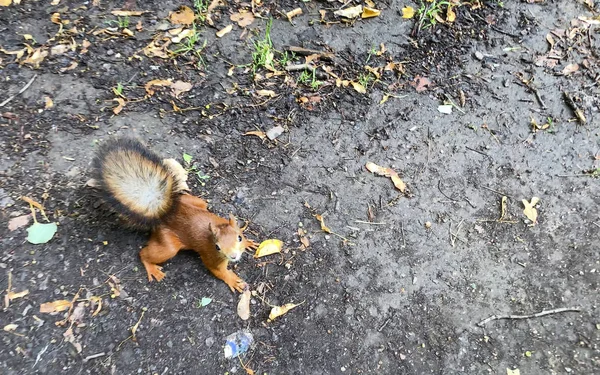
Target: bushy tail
x: 135, y: 182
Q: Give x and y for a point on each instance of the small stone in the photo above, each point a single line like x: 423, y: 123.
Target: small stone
x: 209, y: 341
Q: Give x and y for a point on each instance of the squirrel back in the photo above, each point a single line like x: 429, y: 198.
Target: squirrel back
x: 135, y: 182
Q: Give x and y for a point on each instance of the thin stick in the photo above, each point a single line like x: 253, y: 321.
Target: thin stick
x: 295, y: 68
x: 541, y: 313
x: 384, y: 324
x: 93, y: 356
x: 496, y: 191
x: 368, y: 222
x: 20, y: 92
x: 479, y: 152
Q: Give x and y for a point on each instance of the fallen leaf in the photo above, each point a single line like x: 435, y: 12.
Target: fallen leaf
x: 450, y: 15
x: 358, y: 87
x: 370, y: 12
x: 10, y: 327
x: 421, y: 83
x: 98, y: 301
x: 408, y: 12
x: 183, y: 16
x: 5, y: 3
x: 55, y: 306
x: 156, y: 82
x: 127, y: 13
x: 59, y: 49
x: 18, y: 222
x: 243, y: 19
x: 269, y: 93
x: 12, y: 295
x: 205, y: 301
x: 258, y: 133
x: 513, y: 372
x: 268, y: 247
x: 293, y: 13
x: 36, y: 57
x: 41, y: 233
x: 351, y: 12
x: 179, y: 87
x: 226, y: 30
x: 387, y: 172
x: 445, y: 109
x: 48, y: 102
x: 278, y: 311
x: 243, y: 307
x: 530, y: 211
x: 275, y: 132
x: 324, y: 227
x: 570, y: 69
x: 120, y: 106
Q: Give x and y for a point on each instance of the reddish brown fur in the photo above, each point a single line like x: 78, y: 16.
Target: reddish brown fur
x: 193, y: 227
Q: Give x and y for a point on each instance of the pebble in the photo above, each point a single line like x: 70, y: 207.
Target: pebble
x: 209, y: 341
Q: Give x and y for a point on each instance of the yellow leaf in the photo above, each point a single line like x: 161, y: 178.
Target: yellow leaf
x: 324, y: 227
x: 126, y: 13
x: 226, y: 30
x: 408, y: 12
x: 387, y: 172
x: 269, y: 93
x: 183, y: 16
x: 384, y: 99
x: 370, y: 12
x: 278, y: 311
x: 450, y: 15
x: 358, y: 87
x: 268, y: 247
x: 513, y: 372
x: 530, y: 211
x: 351, y: 12
x: 55, y: 306
x: 370, y: 3
x: 10, y: 327
x: 49, y: 102
x: 5, y: 3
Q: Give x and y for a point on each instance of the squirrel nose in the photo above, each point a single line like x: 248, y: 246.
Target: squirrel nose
x: 235, y: 257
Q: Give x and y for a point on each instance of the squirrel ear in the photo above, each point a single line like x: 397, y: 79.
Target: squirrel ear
x: 211, y: 230
x: 232, y: 220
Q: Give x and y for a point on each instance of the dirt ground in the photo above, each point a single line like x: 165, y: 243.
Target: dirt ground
x: 402, y: 284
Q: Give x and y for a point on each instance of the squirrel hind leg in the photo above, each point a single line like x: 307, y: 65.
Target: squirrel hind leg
x: 161, y: 247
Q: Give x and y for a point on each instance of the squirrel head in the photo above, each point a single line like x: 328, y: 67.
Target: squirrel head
x: 228, y: 239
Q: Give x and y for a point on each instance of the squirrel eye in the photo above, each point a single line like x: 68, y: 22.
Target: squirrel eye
x: 218, y: 247
x: 239, y: 238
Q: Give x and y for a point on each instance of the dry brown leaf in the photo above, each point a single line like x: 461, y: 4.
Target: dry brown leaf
x: 18, y: 222
x: 55, y: 306
x: 38, y: 55
x: 98, y: 301
x: 269, y: 93
x: 268, y: 247
x: 243, y: 307
x: 570, y: 69
x: 530, y: 211
x: 351, y: 12
x: 324, y: 227
x: 305, y: 241
x: 179, y: 87
x: 258, y: 133
x: 421, y: 83
x: 226, y: 30
x: 158, y: 83
x: 243, y: 19
x: 370, y: 12
x: 183, y: 16
x: 293, y: 13
x: 120, y: 106
x: 12, y: 295
x: 387, y: 172
x: 277, y: 311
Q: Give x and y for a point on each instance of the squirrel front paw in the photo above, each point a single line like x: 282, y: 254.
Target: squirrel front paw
x: 154, y: 271
x: 251, y: 245
x: 235, y: 283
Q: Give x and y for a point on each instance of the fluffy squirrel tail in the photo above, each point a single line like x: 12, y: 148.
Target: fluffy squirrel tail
x: 135, y: 182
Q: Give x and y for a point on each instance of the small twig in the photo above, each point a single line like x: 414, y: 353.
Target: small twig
x: 307, y: 52
x: 444, y: 194
x: 571, y: 103
x: 504, y: 32
x: 368, y: 222
x: 403, y: 237
x: 20, y: 92
x: 541, y: 313
x: 295, y: 68
x: 479, y: 152
x: 93, y: 356
x: 384, y: 324
x: 496, y: 191
x: 596, y: 224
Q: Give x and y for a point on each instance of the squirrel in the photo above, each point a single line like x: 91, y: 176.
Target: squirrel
x: 149, y: 193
